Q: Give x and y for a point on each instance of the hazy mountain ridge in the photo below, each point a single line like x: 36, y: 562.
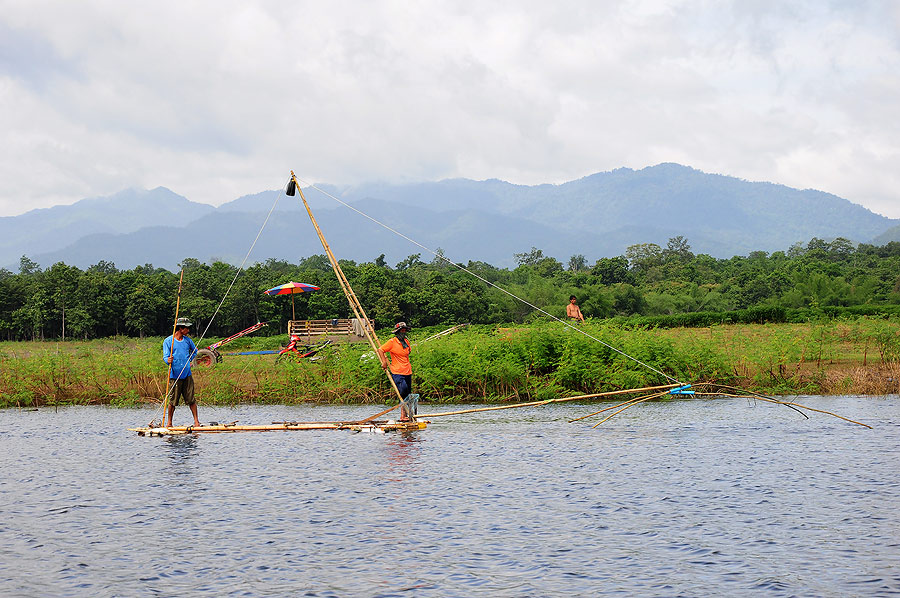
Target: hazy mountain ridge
x: 598, y: 215
x: 289, y: 235
x: 51, y: 229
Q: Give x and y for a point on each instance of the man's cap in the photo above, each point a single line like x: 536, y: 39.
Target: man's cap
x: 183, y: 322
x: 400, y: 325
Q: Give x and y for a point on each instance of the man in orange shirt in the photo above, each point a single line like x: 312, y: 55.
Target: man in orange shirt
x: 400, y: 368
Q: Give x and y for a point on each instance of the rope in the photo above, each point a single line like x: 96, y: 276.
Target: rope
x: 241, y: 267
x: 227, y: 291
x: 489, y: 283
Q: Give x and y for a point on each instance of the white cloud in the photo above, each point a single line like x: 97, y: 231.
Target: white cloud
x: 218, y: 99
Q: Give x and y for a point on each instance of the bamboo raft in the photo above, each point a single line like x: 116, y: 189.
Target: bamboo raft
x: 371, y: 426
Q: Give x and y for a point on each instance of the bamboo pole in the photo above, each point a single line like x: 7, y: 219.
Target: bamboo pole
x: 578, y: 419
x: 443, y: 333
x: 631, y: 404
x: 172, y: 348
x: 496, y: 408
x: 545, y: 402
x: 355, y: 305
x: 791, y: 403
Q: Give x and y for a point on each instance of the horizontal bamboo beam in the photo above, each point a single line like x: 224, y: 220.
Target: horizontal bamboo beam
x: 546, y: 401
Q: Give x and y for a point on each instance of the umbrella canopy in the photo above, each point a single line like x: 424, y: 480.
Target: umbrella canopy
x: 292, y: 288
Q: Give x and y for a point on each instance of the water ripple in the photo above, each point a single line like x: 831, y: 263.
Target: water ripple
x: 681, y: 498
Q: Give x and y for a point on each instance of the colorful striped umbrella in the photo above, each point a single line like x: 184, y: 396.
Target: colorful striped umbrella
x: 292, y: 288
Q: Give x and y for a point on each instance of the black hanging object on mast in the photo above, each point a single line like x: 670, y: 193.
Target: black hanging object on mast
x: 291, y: 188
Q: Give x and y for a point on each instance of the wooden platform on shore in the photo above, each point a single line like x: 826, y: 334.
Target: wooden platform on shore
x: 373, y: 426
x: 338, y: 327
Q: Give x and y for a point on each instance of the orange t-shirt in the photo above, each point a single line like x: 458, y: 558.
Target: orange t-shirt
x: 399, y: 356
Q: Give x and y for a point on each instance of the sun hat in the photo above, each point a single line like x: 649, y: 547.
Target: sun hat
x: 400, y: 325
x: 183, y: 322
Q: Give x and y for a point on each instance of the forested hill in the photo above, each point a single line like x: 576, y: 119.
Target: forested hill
x: 596, y: 216
x: 890, y: 235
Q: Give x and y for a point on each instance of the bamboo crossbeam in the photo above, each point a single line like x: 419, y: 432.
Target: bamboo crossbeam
x: 547, y: 401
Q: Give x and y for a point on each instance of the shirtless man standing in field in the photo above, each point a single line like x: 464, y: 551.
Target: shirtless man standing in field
x: 573, y: 312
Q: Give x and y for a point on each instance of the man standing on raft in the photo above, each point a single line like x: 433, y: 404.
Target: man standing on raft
x: 181, y: 382
x: 400, y: 368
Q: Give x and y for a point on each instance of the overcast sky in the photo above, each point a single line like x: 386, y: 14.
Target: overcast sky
x: 215, y: 100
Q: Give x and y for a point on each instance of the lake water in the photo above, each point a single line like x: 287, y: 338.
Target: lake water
x: 681, y: 498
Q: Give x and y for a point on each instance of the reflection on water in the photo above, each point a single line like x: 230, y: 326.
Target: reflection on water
x: 676, y: 498
x: 181, y: 448
x: 403, y: 451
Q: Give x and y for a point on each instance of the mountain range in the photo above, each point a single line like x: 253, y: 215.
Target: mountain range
x: 596, y: 216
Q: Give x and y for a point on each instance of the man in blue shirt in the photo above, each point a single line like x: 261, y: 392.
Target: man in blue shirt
x: 181, y: 383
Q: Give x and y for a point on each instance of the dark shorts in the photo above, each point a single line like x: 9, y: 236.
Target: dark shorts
x: 403, y: 382
x: 183, y: 388
x: 404, y: 385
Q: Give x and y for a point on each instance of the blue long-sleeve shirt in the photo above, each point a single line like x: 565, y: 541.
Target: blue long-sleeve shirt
x: 185, y: 351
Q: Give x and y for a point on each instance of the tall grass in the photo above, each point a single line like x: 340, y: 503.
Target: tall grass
x: 480, y: 363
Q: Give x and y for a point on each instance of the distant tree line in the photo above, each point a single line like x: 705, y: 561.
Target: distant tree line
x: 63, y: 302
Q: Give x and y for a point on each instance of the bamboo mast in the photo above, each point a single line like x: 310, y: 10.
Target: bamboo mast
x: 355, y: 305
x: 172, y: 348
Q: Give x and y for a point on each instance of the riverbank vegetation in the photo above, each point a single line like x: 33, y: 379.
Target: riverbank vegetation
x: 820, y: 318
x: 647, y: 286
x: 483, y: 363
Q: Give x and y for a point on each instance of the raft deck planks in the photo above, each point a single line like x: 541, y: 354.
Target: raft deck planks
x: 385, y: 426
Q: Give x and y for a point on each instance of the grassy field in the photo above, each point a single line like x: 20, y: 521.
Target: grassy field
x: 477, y: 364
